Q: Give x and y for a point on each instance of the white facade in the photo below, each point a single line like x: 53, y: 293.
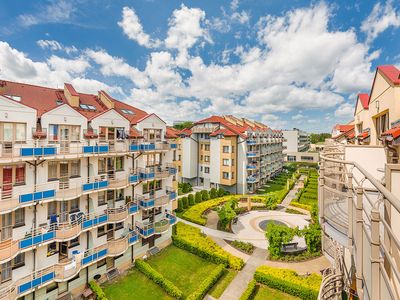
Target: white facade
x: 295, y: 140
x: 73, y: 208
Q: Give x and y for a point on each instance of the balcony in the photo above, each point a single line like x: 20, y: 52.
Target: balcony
x: 146, y: 173
x: 162, y: 226
x: 171, y: 168
x: 171, y: 217
x: 252, y: 179
x: 252, y: 166
x: 145, y: 229
x: 358, y: 214
x: 161, y: 173
x: 253, y: 154
x: 119, y: 246
x: 145, y: 202
x: 171, y: 193
x: 199, y: 129
x: 251, y: 142
x: 161, y: 201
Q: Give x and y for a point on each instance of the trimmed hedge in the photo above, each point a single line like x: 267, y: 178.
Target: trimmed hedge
x: 250, y: 290
x: 159, y: 279
x: 300, y: 205
x: 207, y: 284
x: 97, y: 290
x: 289, y: 281
x: 191, y: 200
x: 191, y: 239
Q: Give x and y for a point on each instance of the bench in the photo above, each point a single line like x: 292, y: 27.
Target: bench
x: 292, y: 248
x: 234, y: 221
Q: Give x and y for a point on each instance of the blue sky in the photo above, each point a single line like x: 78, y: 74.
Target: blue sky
x: 286, y: 63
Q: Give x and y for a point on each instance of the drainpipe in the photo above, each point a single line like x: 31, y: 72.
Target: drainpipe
x: 133, y: 195
x: 87, y: 232
x: 34, y: 222
x: 237, y: 165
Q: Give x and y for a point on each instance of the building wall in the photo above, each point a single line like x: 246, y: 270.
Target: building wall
x: 312, y: 157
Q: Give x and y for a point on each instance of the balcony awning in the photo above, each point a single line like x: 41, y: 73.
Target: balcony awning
x: 393, y: 132
x: 363, y: 135
x: 91, y: 135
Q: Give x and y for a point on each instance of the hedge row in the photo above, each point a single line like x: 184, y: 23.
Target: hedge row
x: 191, y: 239
x: 207, y: 284
x: 204, y: 195
x: 97, y: 290
x: 301, y: 205
x: 250, y: 290
x: 159, y: 279
x: 289, y: 281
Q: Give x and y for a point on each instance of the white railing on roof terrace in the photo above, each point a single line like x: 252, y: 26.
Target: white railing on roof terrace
x: 359, y: 213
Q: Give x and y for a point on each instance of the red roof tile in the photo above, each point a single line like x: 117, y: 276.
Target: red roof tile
x: 171, y: 133
x: 224, y: 132
x: 363, y: 135
x: 239, y: 130
x: 344, y: 128
x: 185, y: 132
x: 133, y: 133
x: 364, y: 99
x: 391, y: 73
x: 394, y: 132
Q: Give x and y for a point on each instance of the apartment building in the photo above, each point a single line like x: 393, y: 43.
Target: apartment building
x: 236, y: 154
x: 87, y: 185
x: 295, y: 140
x: 359, y: 198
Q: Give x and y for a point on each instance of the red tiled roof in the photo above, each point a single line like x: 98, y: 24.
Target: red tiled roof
x: 394, y: 132
x: 364, y: 99
x: 133, y: 133
x: 363, y: 135
x: 171, y: 133
x: 185, y: 131
x: 351, y: 135
x: 344, y: 128
x: 239, y: 130
x: 391, y: 73
x: 225, y: 132
x: 43, y: 99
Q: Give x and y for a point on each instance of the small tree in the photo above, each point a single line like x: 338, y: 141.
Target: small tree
x: 271, y: 201
x: 213, y: 193
x: 180, y: 205
x: 312, y: 236
x: 276, y: 236
x: 185, y: 202
x: 191, y: 200
x: 226, y: 213
x: 198, y: 197
x: 221, y: 192
x: 204, y: 195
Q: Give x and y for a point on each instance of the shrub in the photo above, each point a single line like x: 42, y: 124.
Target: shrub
x: 226, y: 213
x: 180, y: 205
x: 185, y: 187
x: 289, y: 281
x: 97, y: 290
x: 191, y: 200
x: 198, y: 197
x: 300, y: 205
x: 185, y: 202
x: 221, y: 192
x: 190, y: 238
x: 245, y: 247
x: 250, y: 290
x: 164, y: 283
x: 204, y: 195
x: 207, y: 284
x: 312, y: 236
x: 213, y: 193
x: 276, y: 236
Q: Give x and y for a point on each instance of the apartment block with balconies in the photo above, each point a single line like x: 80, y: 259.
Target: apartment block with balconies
x: 236, y: 154
x: 359, y: 198
x: 87, y: 185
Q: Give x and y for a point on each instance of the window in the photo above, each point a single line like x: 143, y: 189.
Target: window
x: 382, y: 124
x: 102, y: 165
x: 75, y: 130
x: 20, y: 174
x: 206, y: 158
x: 233, y: 149
x: 101, y: 263
x: 101, y: 199
x: 74, y: 205
x: 20, y: 132
x: 233, y: 175
x: 225, y: 175
x: 225, y: 162
x: 201, y: 157
x: 225, y: 149
x: 52, y: 170
x: 119, y: 225
x: 74, y: 242
x: 127, y: 111
x: 119, y: 163
x: 207, y: 147
x: 75, y: 168
x: 201, y: 168
x: 206, y: 170
x: 19, y: 217
x: 307, y: 158
x: 52, y: 249
x: 101, y: 231
x: 51, y: 287
x: 18, y: 261
x: 51, y: 209
x: 233, y: 162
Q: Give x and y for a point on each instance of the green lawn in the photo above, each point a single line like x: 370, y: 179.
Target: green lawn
x: 223, y: 283
x: 134, y: 286
x: 264, y: 292
x: 183, y: 268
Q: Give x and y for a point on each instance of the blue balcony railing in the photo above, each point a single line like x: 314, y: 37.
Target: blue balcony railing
x: 37, y: 239
x: 37, y: 196
x: 133, y: 208
x: 94, y: 221
x: 147, y: 147
x: 98, y: 185
x: 173, y: 146
x: 92, y: 257
x: 147, y: 203
x: 134, y: 178
x: 36, y: 282
x: 95, y: 149
x: 38, y: 151
x: 171, y: 195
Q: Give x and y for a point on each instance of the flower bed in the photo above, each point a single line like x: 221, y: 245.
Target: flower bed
x: 289, y: 281
x: 190, y: 238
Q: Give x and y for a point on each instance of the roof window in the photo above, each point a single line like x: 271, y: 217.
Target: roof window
x: 127, y: 111
x: 14, y: 97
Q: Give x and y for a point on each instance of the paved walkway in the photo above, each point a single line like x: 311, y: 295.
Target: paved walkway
x: 290, y: 196
x: 239, y: 284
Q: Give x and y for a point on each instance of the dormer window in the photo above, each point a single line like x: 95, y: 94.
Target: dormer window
x: 87, y: 106
x: 59, y: 101
x: 14, y: 97
x: 127, y: 111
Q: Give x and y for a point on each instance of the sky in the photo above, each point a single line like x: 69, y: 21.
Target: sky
x: 285, y: 63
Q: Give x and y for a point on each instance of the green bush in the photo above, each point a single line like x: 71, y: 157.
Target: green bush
x: 250, y: 290
x: 312, y: 236
x: 300, y: 205
x: 97, y: 290
x: 221, y: 192
x: 244, y: 246
x: 207, y: 284
x: 276, y: 236
x: 204, y: 195
x: 180, y: 205
x: 213, y: 193
x: 226, y: 213
x: 185, y: 202
x: 191, y: 200
x: 185, y: 187
x: 198, y: 197
x: 159, y: 279
x: 289, y: 282
x: 191, y: 239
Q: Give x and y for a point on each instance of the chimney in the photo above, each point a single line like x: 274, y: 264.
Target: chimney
x: 106, y: 99
x: 71, y: 95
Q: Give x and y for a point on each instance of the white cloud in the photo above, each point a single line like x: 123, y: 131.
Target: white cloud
x: 345, y: 111
x: 57, y: 11
x: 133, y: 29
x: 186, y: 28
x: 56, y: 46
x: 298, y: 116
x: 234, y: 5
x: 381, y: 18
x: 242, y: 17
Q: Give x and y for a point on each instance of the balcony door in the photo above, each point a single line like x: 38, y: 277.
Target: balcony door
x: 6, y: 271
x: 64, y: 175
x: 7, y: 182
x: 110, y: 167
x: 64, y: 139
x: 6, y: 227
x: 64, y: 212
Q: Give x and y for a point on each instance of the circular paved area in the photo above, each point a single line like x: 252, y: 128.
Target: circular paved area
x: 248, y: 229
